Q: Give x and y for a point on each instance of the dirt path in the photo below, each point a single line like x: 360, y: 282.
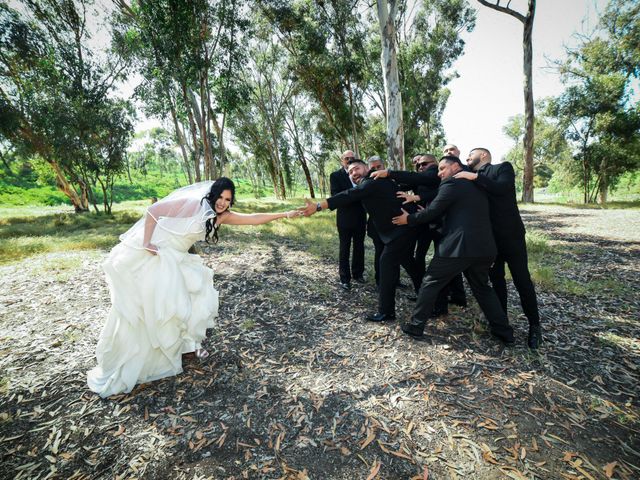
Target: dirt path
x: 298, y: 386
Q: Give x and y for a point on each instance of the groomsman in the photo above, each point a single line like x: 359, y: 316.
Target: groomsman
x: 499, y: 182
x: 375, y: 163
x: 351, y: 221
x: 467, y: 246
x: 381, y: 203
x: 457, y: 295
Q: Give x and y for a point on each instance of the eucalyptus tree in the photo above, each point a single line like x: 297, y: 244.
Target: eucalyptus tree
x: 259, y: 125
x: 430, y: 42
x: 598, y: 112
x: 324, y: 42
x: 189, y: 53
x: 527, y: 47
x: 56, y: 97
x: 551, y: 151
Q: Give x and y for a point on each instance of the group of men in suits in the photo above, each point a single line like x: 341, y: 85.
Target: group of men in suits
x: 470, y: 214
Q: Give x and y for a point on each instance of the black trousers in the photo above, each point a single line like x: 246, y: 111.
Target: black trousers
x: 455, y: 288
x: 513, y: 252
x: 395, y: 254
x: 378, y: 246
x: 440, y: 272
x: 349, y: 236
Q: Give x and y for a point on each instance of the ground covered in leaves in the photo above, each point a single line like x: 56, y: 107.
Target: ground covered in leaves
x: 299, y: 386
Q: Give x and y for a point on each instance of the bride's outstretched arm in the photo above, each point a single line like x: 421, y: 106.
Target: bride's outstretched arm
x: 233, y: 218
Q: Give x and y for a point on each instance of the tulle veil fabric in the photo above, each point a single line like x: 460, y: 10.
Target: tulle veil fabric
x: 161, y: 305
x: 186, y: 203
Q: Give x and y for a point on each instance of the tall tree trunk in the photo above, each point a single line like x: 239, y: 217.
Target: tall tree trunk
x: 604, y: 181
x: 61, y: 181
x: 180, y: 138
x: 194, y: 134
x: 354, y: 133
x: 527, y: 22
x: 219, y: 129
x: 395, y: 128
x: 527, y: 190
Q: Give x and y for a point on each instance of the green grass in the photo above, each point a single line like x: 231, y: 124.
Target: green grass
x: 28, y: 235
x: 29, y: 231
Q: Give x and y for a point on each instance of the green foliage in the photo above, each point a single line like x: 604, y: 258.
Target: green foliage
x: 551, y: 152
x: 597, y: 113
x: 56, y: 97
x: 431, y: 46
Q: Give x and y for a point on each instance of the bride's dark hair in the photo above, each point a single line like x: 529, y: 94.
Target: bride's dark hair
x: 219, y: 186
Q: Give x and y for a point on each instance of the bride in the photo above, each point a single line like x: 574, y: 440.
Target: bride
x: 162, y: 297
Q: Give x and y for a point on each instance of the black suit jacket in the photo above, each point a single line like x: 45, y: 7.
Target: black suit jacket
x: 466, y: 225
x: 381, y: 203
x: 353, y: 214
x: 499, y: 181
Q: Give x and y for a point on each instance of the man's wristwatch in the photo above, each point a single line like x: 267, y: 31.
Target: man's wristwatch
x: 318, y: 207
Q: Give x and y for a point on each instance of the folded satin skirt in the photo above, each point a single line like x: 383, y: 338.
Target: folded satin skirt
x: 161, y: 307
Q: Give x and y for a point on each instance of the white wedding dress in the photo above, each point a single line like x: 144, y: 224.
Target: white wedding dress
x: 161, y: 306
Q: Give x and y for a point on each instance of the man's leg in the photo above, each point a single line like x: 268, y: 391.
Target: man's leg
x: 357, y: 262
x: 516, y: 258
x: 389, y: 274
x: 456, y: 291
x: 345, y: 235
x: 439, y: 272
x: 378, y: 246
x: 393, y: 254
x: 498, y: 280
x: 406, y: 258
x: 422, y: 247
x: 478, y: 277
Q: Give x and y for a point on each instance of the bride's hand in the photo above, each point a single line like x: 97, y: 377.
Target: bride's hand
x: 293, y: 213
x: 151, y: 248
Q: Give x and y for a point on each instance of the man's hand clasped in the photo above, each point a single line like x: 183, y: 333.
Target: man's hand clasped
x: 309, y: 209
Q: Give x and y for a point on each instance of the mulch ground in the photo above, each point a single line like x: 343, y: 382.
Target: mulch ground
x: 298, y: 386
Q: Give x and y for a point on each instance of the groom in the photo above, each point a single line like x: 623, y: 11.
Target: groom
x: 381, y: 203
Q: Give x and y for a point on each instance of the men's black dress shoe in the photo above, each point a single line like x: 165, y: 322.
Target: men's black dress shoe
x: 535, y: 337
x: 359, y: 280
x: 380, y: 317
x: 413, y: 330
x: 345, y: 285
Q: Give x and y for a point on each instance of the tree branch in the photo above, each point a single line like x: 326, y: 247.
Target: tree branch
x: 506, y: 9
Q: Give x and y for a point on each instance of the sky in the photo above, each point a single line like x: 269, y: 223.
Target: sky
x: 489, y: 89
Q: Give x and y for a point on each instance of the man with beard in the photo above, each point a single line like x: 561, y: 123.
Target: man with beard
x: 351, y: 223
x: 467, y: 246
x: 498, y: 180
x: 381, y: 203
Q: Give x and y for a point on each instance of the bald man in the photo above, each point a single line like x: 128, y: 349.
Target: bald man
x: 351, y: 222
x: 451, y: 149
x: 499, y: 182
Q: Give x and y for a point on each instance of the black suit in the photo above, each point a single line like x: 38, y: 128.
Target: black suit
x: 467, y: 246
x: 427, y: 183
x: 351, y: 223
x: 499, y: 183
x: 378, y: 246
x: 381, y: 203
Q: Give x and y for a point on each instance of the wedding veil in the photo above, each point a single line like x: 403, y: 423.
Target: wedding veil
x: 184, y: 203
